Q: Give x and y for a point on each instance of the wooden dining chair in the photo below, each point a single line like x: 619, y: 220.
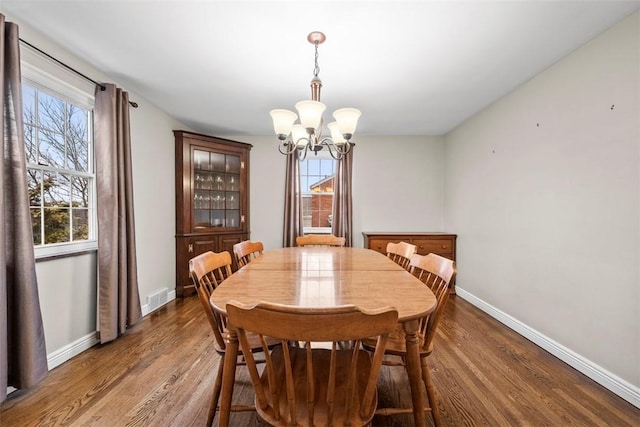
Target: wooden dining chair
x: 207, y: 271
x: 310, y: 386
x: 401, y: 253
x: 320, y: 240
x: 436, y: 272
x: 246, y: 251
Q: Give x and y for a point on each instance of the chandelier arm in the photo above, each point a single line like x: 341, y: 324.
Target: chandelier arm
x: 340, y: 149
x: 289, y: 147
x: 304, y: 152
x: 336, y: 155
x: 346, y: 147
x: 333, y: 150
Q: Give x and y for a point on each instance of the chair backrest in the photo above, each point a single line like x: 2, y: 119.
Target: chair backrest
x: 207, y: 271
x: 436, y: 272
x: 306, y: 385
x: 246, y: 251
x: 320, y: 240
x: 401, y: 253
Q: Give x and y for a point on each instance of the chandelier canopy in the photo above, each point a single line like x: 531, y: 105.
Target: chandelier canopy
x: 307, y: 135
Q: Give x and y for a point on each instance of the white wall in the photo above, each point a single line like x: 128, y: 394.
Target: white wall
x: 67, y: 286
x: 397, y: 184
x: 543, y: 190
x: 266, y: 180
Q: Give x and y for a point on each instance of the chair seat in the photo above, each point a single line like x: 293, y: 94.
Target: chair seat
x: 254, y: 340
x: 397, y: 344
x: 321, y: 364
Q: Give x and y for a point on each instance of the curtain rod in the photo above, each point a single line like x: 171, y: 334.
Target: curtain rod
x: 100, y: 85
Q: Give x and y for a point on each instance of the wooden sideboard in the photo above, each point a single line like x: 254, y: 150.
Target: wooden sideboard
x: 443, y: 244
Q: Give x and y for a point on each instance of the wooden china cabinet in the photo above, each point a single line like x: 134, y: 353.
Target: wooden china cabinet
x: 212, y: 199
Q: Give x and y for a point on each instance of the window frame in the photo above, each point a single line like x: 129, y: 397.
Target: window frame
x: 321, y: 155
x: 63, y: 85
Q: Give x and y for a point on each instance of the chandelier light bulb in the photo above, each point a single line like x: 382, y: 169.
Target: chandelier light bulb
x: 336, y: 135
x: 347, y: 119
x: 310, y: 113
x: 283, y: 122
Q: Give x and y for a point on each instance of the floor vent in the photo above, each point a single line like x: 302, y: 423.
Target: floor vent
x: 157, y: 299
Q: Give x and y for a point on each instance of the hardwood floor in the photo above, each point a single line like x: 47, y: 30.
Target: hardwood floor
x: 161, y: 374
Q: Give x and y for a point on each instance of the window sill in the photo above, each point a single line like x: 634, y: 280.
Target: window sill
x: 317, y: 230
x: 63, y: 250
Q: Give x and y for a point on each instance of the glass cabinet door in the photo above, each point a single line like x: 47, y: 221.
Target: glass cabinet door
x: 216, y: 190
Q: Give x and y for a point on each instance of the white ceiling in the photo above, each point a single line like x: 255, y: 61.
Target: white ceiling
x: 413, y: 68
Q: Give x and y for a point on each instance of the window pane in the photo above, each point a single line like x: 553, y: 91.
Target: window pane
x: 50, y: 112
x: 56, y: 225
x: 56, y: 190
x: 326, y: 167
x: 78, y: 122
x: 314, y: 167
x: 51, y: 149
x: 217, y: 162
x: 201, y: 160
x: 304, y: 184
x: 34, y: 178
x: 36, y: 215
x: 233, y: 164
x: 80, y: 224
x: 30, y: 144
x: 79, y: 192
x: 77, y: 148
x: 28, y: 104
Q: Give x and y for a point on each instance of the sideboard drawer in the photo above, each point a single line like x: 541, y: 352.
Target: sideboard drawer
x: 379, y: 245
x: 439, y: 247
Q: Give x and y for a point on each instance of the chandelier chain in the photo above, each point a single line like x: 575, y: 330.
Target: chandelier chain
x: 316, y: 69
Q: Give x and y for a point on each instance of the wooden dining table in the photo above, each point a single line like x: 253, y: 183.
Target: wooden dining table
x: 327, y: 277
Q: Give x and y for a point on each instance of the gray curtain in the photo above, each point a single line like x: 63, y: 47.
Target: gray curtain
x: 23, y: 355
x: 292, y: 201
x: 342, y: 201
x: 118, y: 296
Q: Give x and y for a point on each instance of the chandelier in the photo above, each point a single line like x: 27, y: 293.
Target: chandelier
x: 307, y: 135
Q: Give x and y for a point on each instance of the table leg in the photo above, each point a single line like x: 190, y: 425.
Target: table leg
x: 228, y: 376
x: 414, y: 371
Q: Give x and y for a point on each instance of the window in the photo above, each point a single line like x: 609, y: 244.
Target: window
x: 58, y: 134
x: 317, y: 175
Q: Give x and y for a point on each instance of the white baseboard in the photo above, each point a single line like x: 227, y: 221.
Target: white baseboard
x: 60, y: 356
x: 615, y: 384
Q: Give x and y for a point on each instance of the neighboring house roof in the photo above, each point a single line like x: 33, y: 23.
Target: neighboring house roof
x: 322, y: 181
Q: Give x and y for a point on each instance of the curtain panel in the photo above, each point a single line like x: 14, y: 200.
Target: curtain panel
x: 118, y: 295
x: 292, y: 201
x: 23, y: 355
x: 342, y: 200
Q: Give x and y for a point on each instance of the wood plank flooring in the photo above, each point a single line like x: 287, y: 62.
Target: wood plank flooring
x: 161, y: 374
